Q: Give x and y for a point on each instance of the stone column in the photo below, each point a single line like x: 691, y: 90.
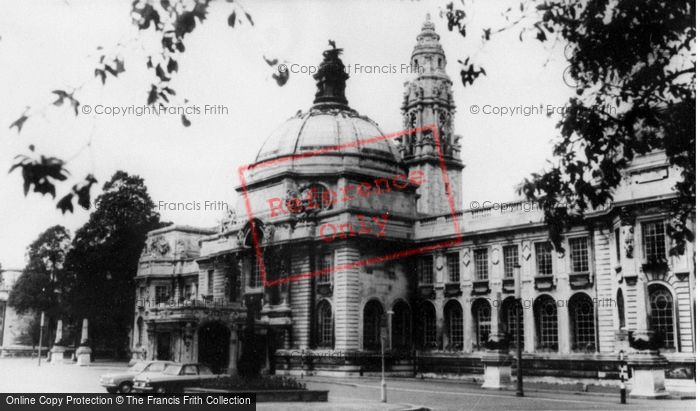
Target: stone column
x: 529, y: 334
x: 467, y: 327
x: 301, y: 300
x: 564, y: 331
x: 346, y: 298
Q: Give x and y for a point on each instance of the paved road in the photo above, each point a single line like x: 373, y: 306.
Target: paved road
x: 446, y: 395
x: 23, y: 375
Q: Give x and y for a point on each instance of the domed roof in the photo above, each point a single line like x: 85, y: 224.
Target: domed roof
x: 328, y: 126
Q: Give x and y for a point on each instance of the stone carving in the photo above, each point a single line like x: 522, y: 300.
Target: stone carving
x: 228, y: 221
x: 159, y: 245
x: 495, y: 256
x: 466, y: 259
x: 240, y: 238
x: 440, y: 262
x: 268, y: 233
x: 181, y: 249
x: 629, y: 242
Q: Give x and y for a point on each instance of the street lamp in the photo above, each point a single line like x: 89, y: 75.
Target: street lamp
x: 41, y: 335
x: 383, y: 336
x: 518, y: 310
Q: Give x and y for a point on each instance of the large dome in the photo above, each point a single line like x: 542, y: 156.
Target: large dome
x: 328, y: 126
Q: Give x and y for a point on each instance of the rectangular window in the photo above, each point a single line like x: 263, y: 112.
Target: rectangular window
x: 425, y: 269
x: 210, y: 283
x: 256, y: 274
x: 510, y: 259
x: 326, y: 263
x: 481, y: 264
x: 543, y: 257
x: 617, y: 244
x: 654, y: 238
x: 162, y: 294
x: 578, y: 248
x: 453, y: 267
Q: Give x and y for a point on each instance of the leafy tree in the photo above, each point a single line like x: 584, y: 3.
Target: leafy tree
x: 634, y: 65
x: 44, y: 280
x: 173, y: 21
x: 104, y: 258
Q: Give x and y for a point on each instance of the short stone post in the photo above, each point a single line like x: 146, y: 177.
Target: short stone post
x: 497, y: 363
x: 58, y: 348
x: 497, y: 360
x: 84, y: 352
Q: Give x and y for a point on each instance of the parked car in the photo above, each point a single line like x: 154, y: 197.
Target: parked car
x: 123, y: 382
x: 174, y: 378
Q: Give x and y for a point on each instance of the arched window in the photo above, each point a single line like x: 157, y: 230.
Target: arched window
x: 428, y: 337
x: 546, y: 323
x: 662, y: 315
x: 454, y: 323
x: 324, y: 324
x: 372, y: 325
x: 481, y: 314
x: 509, y: 317
x: 401, y: 325
x: 621, y: 308
x: 316, y: 197
x: 582, y: 320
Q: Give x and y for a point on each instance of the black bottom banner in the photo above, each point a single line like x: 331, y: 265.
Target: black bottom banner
x: 145, y: 402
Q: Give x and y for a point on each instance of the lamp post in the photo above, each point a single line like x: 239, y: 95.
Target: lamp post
x: 518, y: 342
x: 383, y: 336
x: 41, y: 335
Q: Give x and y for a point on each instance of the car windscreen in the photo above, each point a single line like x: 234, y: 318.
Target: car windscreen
x: 138, y: 367
x: 155, y: 367
x: 172, y: 370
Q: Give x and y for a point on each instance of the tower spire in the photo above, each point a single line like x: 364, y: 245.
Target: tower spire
x: 330, y: 78
x: 428, y: 101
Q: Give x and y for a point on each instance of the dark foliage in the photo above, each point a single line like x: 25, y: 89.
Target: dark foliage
x: 104, y: 258
x: 633, y: 64
x: 256, y: 383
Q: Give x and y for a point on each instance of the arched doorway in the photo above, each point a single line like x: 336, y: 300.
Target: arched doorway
x: 372, y: 323
x: 214, y: 339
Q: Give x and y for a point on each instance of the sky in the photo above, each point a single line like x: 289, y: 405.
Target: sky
x: 49, y: 45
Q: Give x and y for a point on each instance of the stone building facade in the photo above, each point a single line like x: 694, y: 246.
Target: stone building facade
x: 16, y: 330
x: 199, y: 288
